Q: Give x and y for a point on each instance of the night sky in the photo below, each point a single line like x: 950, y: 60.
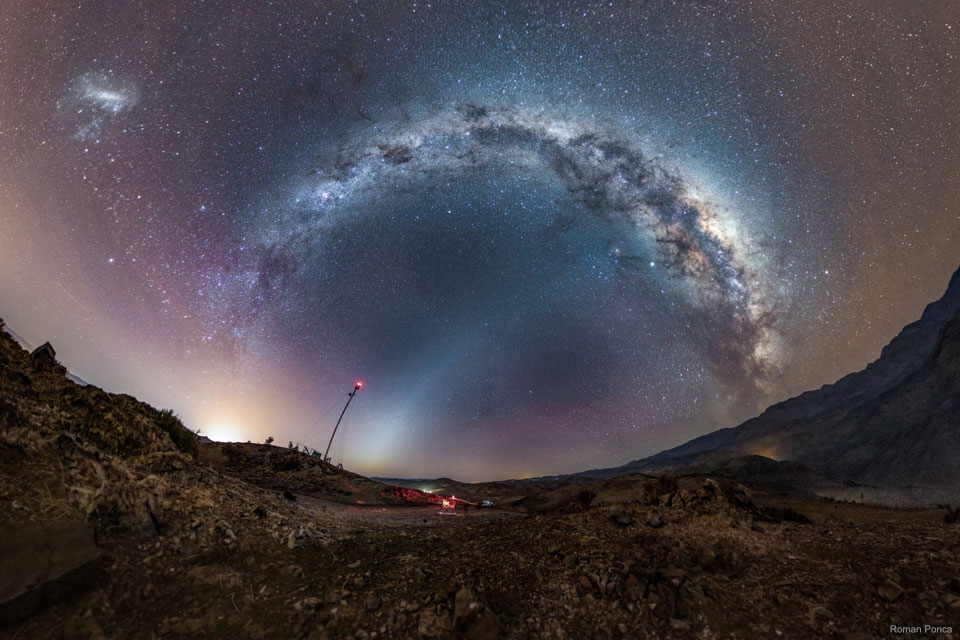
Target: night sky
x: 547, y: 236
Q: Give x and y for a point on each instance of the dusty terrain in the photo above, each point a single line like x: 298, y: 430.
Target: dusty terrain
x: 262, y: 544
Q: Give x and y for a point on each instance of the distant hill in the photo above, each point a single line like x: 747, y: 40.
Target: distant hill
x: 500, y: 491
x: 424, y: 484
x: 77, y: 379
x: 894, y: 425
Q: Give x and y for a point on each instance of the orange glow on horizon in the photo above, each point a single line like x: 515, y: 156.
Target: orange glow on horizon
x: 767, y: 451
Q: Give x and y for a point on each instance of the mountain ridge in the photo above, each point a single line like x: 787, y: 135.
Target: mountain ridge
x: 893, y: 424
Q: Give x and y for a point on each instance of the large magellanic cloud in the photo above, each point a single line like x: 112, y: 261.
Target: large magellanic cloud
x: 94, y: 100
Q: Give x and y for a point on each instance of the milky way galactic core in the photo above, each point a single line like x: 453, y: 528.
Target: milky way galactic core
x: 548, y: 236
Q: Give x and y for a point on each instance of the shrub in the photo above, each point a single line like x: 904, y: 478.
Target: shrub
x: 234, y: 452
x: 286, y: 461
x: 181, y: 436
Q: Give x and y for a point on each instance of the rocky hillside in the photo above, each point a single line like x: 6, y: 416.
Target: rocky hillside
x: 288, y: 470
x: 896, y: 424
x: 75, y: 453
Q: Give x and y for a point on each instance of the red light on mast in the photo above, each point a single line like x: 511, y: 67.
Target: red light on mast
x: 359, y: 383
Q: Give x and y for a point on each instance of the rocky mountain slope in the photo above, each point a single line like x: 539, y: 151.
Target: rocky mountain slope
x: 895, y: 424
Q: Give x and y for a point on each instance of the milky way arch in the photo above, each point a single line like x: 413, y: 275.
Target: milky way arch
x: 605, y: 172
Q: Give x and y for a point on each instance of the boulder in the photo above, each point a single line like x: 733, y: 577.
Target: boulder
x: 45, y: 562
x: 472, y: 619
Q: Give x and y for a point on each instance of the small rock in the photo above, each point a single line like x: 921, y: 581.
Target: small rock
x: 289, y: 495
x: 254, y: 631
x: 194, y: 625
x: 433, y: 624
x: 890, y: 590
x: 675, y: 577
x: 307, y: 604
x: 706, y: 557
x: 621, y: 517
x: 205, y: 574
x: 372, y: 603
x: 952, y: 601
x: 679, y: 625
x: 654, y: 520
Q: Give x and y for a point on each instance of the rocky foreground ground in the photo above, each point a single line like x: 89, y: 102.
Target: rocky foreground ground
x: 189, y: 541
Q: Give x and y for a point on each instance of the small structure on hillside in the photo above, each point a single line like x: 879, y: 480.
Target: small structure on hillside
x: 44, y: 352
x: 45, y: 357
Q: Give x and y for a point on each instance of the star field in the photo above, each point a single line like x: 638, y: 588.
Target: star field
x: 549, y: 236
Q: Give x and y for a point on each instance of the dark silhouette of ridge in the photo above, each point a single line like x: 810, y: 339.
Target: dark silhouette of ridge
x: 895, y: 424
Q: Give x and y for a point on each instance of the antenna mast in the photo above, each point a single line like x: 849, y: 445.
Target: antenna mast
x: 326, y: 458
